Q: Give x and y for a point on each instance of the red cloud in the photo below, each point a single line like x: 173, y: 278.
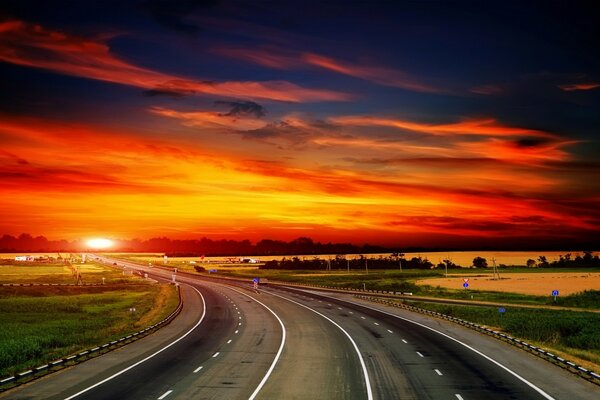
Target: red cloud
x: 579, y: 86
x: 481, y: 127
x: 34, y: 46
x: 282, y: 59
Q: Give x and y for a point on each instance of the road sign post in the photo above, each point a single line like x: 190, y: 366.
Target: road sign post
x: 555, y: 294
x: 465, y: 285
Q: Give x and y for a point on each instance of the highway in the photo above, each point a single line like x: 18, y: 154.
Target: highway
x: 232, y: 342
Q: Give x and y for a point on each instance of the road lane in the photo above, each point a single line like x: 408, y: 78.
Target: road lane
x: 175, y: 366
x: 318, y: 362
x: 415, y: 353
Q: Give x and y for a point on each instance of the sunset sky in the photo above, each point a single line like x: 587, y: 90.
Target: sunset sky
x: 396, y: 123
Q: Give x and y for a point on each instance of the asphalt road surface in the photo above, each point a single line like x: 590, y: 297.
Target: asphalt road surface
x: 232, y: 342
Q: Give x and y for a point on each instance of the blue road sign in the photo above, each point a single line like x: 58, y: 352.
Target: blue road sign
x: 555, y: 293
x: 212, y: 271
x: 465, y: 285
x: 256, y: 280
x: 502, y: 310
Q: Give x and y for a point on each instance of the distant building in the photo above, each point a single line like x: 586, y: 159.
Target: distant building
x: 249, y: 260
x: 24, y: 258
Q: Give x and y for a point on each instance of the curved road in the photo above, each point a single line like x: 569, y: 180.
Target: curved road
x: 232, y: 342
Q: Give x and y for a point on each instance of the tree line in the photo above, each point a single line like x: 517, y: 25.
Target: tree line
x: 399, y: 261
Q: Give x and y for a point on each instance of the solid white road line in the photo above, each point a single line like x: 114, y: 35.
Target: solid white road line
x: 168, y: 392
x: 490, y: 359
x: 362, y: 361
x: 420, y: 355
x: 150, y: 356
x: 437, y: 371
x: 281, y: 345
x: 198, y: 369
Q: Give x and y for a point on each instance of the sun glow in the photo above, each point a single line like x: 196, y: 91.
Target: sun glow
x: 99, y: 243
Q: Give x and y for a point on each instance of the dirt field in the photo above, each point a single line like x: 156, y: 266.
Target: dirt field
x: 534, y: 284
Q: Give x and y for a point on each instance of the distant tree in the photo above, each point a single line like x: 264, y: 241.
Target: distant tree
x: 543, y: 262
x: 480, y: 262
x: 531, y: 263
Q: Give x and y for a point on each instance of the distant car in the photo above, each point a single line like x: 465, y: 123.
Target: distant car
x: 114, y: 263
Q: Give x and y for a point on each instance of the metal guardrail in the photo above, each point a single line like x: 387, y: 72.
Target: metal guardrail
x: 546, y: 355
x: 566, y: 364
x: 22, y: 377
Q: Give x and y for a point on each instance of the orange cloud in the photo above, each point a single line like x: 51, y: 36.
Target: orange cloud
x: 211, y: 119
x: 281, y: 59
x: 579, y: 86
x: 481, y: 127
x: 72, y: 180
x: 34, y: 46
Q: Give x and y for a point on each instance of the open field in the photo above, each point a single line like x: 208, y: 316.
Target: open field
x: 539, y: 283
x: 43, y: 323
x: 32, y: 272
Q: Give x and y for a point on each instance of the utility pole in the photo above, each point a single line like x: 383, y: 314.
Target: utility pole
x: 400, y: 264
x: 348, y: 264
x: 366, y: 266
x: 496, y: 271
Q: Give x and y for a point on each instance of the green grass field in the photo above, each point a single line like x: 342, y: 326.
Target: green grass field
x: 33, y: 272
x: 43, y: 323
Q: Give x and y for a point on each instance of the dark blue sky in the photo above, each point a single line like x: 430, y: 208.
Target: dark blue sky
x: 495, y: 103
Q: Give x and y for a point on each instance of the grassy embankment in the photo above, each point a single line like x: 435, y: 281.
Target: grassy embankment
x: 571, y: 334
x: 43, y: 323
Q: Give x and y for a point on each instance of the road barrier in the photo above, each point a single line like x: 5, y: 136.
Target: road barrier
x: 382, y: 294
x: 26, y: 376
x: 546, y: 355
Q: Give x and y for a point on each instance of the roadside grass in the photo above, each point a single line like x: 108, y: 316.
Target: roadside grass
x: 574, y: 333
x: 43, y: 323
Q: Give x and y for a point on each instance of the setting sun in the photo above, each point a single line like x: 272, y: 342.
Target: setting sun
x: 99, y: 243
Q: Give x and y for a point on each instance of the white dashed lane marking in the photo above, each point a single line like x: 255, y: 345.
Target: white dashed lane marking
x: 168, y: 392
x: 420, y: 355
x: 437, y: 371
x: 229, y: 341
x: 198, y: 369
x: 390, y: 331
x: 216, y: 354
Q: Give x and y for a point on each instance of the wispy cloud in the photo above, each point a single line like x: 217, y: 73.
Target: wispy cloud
x: 37, y: 47
x: 475, y: 127
x: 212, y: 119
x: 571, y: 87
x: 277, y: 58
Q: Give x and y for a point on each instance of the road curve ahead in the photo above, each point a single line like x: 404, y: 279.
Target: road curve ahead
x: 220, y: 346
x: 286, y: 343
